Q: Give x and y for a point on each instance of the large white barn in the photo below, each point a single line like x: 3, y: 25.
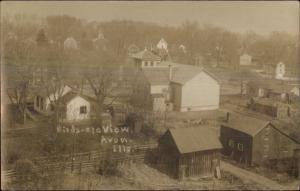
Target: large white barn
x: 186, y: 88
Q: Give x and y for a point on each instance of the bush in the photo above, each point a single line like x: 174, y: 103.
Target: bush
x: 148, y: 131
x: 109, y: 168
x: 13, y: 156
x: 25, y: 169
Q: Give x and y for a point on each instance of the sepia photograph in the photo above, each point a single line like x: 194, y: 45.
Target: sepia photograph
x: 150, y: 95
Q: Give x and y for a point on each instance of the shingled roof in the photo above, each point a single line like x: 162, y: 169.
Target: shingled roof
x: 246, y: 124
x: 195, y: 139
x: 146, y: 55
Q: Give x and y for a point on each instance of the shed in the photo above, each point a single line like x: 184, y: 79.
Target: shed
x: 252, y: 140
x: 188, y: 152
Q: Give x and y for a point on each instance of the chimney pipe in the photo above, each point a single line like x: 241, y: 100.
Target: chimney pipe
x: 227, y: 116
x: 170, y: 72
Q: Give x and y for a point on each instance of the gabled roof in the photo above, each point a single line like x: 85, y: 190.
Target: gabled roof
x: 146, y: 55
x: 162, y: 40
x: 246, y: 124
x: 157, y: 76
x: 71, y: 95
x: 181, y: 73
x: 195, y: 139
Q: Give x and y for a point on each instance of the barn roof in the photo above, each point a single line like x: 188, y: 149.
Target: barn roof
x: 180, y: 73
x: 146, y: 55
x: 246, y: 124
x: 195, y: 139
x: 157, y: 76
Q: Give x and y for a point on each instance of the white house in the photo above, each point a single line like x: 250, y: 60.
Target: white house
x: 43, y: 99
x: 280, y: 71
x: 145, y: 59
x: 245, y: 60
x: 162, y: 44
x: 76, y: 107
x: 70, y: 43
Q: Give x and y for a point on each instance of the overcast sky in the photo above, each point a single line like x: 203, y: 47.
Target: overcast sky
x: 261, y: 17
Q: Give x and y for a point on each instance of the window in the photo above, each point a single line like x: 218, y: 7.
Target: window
x: 240, y: 147
x: 151, y: 63
x: 83, y: 110
x: 231, y: 143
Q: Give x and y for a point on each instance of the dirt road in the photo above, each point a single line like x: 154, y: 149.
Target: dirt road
x: 253, y: 177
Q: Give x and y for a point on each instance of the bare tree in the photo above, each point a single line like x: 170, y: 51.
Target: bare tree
x: 100, y: 81
x: 55, y: 90
x: 18, y: 94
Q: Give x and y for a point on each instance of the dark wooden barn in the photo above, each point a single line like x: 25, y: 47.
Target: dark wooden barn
x: 188, y: 152
x: 255, y: 141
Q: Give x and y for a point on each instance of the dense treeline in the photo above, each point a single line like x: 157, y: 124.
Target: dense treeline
x: 210, y: 42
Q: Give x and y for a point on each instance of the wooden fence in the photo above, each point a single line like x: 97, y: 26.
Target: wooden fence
x: 79, y: 162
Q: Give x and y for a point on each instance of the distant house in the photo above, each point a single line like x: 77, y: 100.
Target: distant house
x: 186, y: 88
x: 43, y: 100
x: 162, y: 44
x: 182, y: 48
x: 76, y: 107
x: 280, y: 71
x: 253, y: 141
x: 272, y: 107
x: 245, y: 60
x: 70, y: 43
x: 145, y: 59
x: 100, y: 41
x: 269, y: 88
x: 132, y: 49
x: 188, y: 152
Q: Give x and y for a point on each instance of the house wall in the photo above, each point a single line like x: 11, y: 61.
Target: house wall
x: 202, y: 163
x: 270, y: 110
x: 73, y: 109
x: 231, y: 139
x: 280, y: 71
x: 176, y: 96
x: 271, y: 144
x: 168, y: 155
x: 141, y: 96
x: 245, y: 60
x: 159, y: 104
x: 200, y: 93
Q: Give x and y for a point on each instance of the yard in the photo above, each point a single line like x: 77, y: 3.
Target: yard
x: 138, y: 176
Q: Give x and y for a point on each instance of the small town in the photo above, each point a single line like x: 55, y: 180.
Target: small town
x: 123, y: 104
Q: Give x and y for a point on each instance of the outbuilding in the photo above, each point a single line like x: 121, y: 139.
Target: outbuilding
x: 254, y: 141
x: 188, y: 152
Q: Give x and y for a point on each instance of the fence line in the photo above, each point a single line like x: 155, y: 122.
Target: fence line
x: 92, y: 160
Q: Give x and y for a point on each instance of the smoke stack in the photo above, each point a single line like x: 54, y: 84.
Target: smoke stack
x: 170, y: 72
x: 227, y: 116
